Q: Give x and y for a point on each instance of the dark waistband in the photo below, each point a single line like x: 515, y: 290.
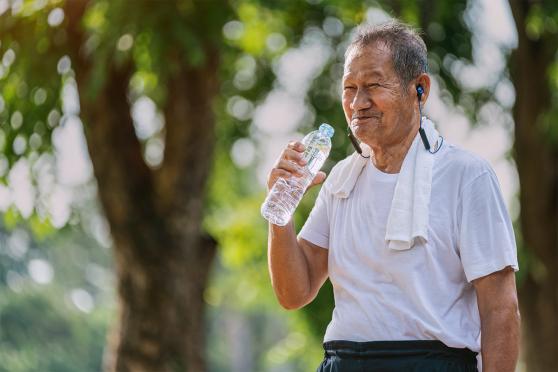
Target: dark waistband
x: 375, y: 349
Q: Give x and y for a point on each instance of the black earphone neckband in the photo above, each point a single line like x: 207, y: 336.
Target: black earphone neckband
x: 422, y: 133
x: 420, y: 92
x: 354, y: 141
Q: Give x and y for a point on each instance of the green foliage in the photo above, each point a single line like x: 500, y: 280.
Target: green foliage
x: 39, y: 334
x: 41, y: 328
x: 41, y: 227
x: 549, y: 121
x: 11, y: 218
x: 542, y: 23
x: 29, y: 82
x: 155, y: 39
x: 542, y: 19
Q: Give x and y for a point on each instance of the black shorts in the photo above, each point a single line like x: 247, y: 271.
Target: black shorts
x: 396, y: 356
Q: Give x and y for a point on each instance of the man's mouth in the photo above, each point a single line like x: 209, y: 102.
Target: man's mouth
x: 361, y: 118
x: 358, y: 119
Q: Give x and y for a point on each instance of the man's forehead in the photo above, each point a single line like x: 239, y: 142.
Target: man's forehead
x: 371, y: 59
x: 377, y: 47
x: 373, y: 72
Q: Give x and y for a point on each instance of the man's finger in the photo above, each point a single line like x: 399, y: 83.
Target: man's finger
x: 294, y: 155
x: 296, y: 145
x: 319, y: 178
x: 290, y: 166
x: 275, y: 175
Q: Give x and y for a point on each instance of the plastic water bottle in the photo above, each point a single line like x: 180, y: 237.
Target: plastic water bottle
x: 285, y: 195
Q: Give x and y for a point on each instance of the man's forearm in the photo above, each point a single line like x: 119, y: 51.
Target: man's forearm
x: 288, y: 267
x: 500, y: 340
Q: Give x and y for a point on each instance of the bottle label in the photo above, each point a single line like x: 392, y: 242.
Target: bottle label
x: 314, y: 158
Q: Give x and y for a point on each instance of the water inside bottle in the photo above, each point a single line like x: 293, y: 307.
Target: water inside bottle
x: 285, y: 195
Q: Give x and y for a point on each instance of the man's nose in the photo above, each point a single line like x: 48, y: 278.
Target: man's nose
x: 361, y: 100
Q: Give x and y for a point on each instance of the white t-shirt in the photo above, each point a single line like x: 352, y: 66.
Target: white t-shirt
x: 424, y: 293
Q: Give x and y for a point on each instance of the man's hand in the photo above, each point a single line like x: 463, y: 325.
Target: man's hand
x: 290, y: 164
x: 500, y: 322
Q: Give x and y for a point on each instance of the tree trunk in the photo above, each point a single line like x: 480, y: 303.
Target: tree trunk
x: 537, y: 164
x: 162, y: 255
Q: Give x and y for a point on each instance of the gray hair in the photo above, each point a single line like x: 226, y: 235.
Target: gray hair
x: 407, y: 48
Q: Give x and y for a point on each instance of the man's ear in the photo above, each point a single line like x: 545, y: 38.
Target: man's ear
x: 424, y: 82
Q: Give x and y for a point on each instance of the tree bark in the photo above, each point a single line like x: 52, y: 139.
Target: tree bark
x: 161, y: 253
x: 537, y: 164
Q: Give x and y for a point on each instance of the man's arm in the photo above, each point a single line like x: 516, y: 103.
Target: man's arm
x: 500, y: 321
x: 297, y: 267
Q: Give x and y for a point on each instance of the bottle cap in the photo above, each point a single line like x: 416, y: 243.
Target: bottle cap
x: 327, y: 129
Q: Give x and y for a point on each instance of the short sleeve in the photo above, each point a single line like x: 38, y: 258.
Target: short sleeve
x: 486, y: 237
x: 316, y: 227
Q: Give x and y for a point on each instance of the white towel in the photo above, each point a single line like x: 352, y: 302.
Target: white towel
x: 408, y: 217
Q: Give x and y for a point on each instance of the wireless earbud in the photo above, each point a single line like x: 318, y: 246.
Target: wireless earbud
x: 420, y: 92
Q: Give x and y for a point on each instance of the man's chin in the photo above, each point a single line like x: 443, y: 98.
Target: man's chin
x: 360, y: 131
x: 361, y: 122
x: 365, y: 123
x: 365, y: 135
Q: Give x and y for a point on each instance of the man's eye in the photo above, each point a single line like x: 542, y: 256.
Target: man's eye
x: 373, y: 85
x: 349, y: 88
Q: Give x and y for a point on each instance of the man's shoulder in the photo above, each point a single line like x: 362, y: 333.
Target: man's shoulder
x: 464, y: 162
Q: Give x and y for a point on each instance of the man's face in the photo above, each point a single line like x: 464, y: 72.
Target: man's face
x: 378, y: 109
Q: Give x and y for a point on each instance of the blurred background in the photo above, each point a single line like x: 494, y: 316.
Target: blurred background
x: 136, y: 136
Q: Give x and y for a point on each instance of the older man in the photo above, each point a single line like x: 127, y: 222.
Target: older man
x: 412, y: 231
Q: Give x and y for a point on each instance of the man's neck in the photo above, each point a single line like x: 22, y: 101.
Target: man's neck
x: 389, y: 159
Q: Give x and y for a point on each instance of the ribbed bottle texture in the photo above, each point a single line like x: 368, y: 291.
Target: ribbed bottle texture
x: 285, y: 195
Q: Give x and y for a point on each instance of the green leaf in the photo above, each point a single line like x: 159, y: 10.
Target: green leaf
x: 41, y: 227
x: 12, y: 218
